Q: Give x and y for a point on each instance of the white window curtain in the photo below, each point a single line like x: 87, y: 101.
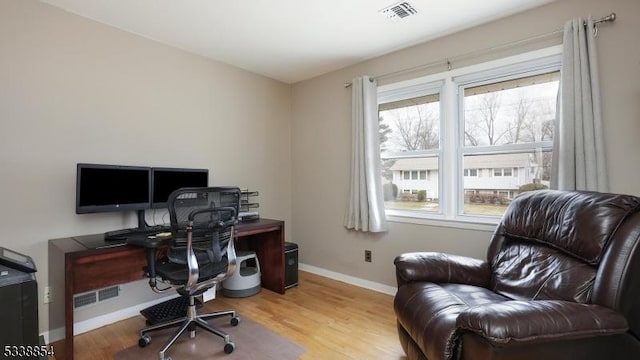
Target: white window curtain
x: 365, y: 210
x: 579, y: 154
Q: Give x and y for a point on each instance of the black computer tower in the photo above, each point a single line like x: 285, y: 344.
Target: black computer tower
x: 18, y: 310
x: 291, y: 264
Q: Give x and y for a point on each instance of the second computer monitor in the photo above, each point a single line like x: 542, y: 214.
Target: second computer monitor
x: 166, y: 180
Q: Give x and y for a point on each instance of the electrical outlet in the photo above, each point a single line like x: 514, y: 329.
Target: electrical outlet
x: 48, y: 294
x: 367, y: 255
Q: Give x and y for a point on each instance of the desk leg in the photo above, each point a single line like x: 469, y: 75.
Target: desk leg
x: 68, y: 308
x: 269, y: 248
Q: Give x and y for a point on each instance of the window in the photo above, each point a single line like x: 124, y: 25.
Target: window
x: 498, y: 119
x: 410, y: 144
x: 508, y: 123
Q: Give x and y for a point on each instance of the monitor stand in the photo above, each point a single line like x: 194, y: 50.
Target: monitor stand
x: 142, y: 223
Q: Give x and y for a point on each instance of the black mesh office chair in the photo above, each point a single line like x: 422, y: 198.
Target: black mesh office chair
x: 200, y: 255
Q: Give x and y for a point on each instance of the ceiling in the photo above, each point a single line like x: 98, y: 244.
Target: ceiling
x: 291, y: 40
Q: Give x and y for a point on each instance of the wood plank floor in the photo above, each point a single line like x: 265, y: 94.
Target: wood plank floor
x: 331, y: 319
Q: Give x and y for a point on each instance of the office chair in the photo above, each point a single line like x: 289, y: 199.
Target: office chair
x: 200, y: 255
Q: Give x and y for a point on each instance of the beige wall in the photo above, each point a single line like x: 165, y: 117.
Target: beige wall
x: 321, y: 136
x: 73, y: 90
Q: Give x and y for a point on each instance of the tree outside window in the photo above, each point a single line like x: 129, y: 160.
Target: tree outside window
x: 499, y: 141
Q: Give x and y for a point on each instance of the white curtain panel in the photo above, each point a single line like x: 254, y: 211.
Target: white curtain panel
x: 365, y: 210
x: 579, y: 161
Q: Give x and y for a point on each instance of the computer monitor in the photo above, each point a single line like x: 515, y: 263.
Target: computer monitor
x: 166, y: 180
x: 103, y: 188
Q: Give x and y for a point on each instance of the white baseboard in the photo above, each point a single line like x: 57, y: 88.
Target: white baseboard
x: 102, y: 320
x: 367, y: 284
x: 81, y: 327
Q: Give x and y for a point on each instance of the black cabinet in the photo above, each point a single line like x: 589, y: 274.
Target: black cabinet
x: 291, y: 264
x: 18, y: 310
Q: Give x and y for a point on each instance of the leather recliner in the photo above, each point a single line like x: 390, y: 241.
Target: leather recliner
x: 561, y: 281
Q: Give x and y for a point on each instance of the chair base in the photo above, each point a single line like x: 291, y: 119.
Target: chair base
x: 189, y: 323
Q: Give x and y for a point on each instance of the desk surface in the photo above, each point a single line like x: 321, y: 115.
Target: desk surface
x: 87, y: 262
x: 97, y: 241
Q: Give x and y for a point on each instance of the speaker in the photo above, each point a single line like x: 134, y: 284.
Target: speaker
x: 291, y: 264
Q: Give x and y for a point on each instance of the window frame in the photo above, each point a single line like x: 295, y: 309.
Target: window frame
x: 407, y: 92
x: 450, y: 85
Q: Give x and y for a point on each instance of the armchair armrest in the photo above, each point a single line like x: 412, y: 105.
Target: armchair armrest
x: 441, y: 268
x: 529, y: 322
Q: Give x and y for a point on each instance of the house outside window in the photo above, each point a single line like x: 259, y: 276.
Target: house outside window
x: 508, y: 123
x: 500, y: 120
x: 410, y: 143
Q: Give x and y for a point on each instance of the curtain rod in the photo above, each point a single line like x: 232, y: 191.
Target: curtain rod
x: 447, y: 61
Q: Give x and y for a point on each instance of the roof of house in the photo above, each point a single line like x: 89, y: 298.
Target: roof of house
x: 430, y: 163
x: 517, y: 160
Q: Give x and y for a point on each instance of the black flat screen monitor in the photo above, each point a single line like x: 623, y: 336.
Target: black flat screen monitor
x: 103, y: 188
x: 166, y: 180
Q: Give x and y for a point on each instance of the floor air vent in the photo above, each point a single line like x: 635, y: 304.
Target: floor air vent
x: 82, y: 300
x: 399, y: 10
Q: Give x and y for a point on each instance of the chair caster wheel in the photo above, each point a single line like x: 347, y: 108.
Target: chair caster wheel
x: 235, y: 321
x: 228, y: 348
x: 144, y: 340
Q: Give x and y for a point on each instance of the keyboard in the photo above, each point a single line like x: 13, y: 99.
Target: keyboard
x: 123, y: 234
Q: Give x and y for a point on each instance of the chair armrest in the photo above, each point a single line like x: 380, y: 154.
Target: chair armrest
x: 441, y: 268
x: 144, y: 241
x: 151, y: 246
x: 520, y: 322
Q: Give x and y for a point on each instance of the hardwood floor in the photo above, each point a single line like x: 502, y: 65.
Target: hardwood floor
x: 331, y: 319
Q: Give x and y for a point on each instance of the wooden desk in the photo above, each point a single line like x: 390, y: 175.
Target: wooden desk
x: 85, y: 263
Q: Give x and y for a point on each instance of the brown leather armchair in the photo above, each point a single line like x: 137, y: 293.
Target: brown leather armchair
x: 561, y: 281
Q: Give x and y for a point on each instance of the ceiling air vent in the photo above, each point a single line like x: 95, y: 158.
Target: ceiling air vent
x: 399, y: 10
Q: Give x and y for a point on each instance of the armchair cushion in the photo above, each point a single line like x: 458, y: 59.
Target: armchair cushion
x: 576, y: 223
x: 525, y: 271
x: 539, y: 321
x: 437, y: 315
x: 550, y: 243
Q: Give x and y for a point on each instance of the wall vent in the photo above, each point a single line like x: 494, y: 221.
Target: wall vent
x: 399, y: 10
x: 82, y: 300
x: 108, y: 293
x: 94, y: 297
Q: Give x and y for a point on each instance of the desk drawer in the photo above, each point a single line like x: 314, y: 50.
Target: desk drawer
x: 103, y: 269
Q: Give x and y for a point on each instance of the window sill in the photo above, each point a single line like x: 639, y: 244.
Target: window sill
x: 463, y: 222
